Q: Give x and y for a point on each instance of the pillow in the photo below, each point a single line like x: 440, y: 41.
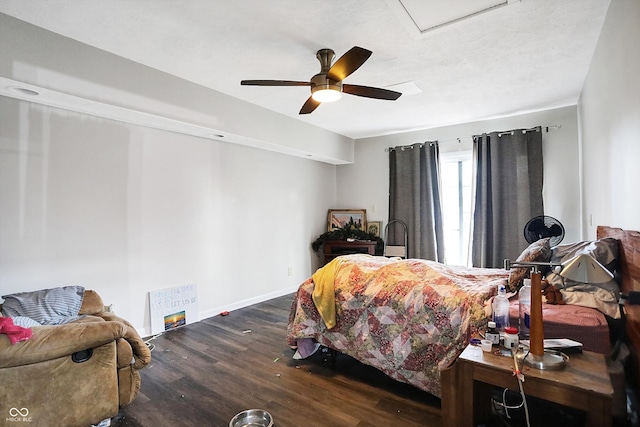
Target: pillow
x: 605, y: 251
x: 597, y: 297
x: 47, y: 306
x: 538, y: 251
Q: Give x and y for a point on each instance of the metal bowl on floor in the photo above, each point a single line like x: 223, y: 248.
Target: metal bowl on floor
x: 252, y: 418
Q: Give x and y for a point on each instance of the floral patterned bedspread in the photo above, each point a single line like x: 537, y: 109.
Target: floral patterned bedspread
x: 408, y: 318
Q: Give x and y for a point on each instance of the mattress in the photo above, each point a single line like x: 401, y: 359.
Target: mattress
x: 583, y: 324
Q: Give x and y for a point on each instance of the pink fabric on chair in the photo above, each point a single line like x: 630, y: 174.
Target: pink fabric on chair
x: 13, y: 332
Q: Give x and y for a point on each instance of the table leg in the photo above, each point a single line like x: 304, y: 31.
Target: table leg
x: 599, y: 413
x: 467, y: 399
x: 449, y: 395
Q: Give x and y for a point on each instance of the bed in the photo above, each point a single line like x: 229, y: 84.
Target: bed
x: 411, y: 318
x: 628, y: 269
x: 408, y: 318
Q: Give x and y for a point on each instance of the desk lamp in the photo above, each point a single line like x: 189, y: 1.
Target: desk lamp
x: 582, y: 268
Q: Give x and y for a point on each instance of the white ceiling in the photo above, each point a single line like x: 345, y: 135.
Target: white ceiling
x: 527, y: 56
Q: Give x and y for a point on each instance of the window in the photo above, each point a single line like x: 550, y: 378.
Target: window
x: 456, y: 180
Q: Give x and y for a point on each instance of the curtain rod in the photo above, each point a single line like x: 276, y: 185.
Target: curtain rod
x: 410, y: 147
x: 533, y: 129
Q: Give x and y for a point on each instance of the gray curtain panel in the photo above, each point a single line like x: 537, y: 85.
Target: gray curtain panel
x: 414, y: 198
x: 508, y: 193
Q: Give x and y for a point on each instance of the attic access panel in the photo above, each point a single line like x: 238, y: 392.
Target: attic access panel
x: 428, y: 15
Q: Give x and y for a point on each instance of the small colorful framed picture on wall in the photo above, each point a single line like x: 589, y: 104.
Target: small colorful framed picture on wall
x: 346, y: 219
x: 374, y: 227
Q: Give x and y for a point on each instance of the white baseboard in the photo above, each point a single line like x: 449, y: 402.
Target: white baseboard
x: 146, y: 332
x: 245, y: 303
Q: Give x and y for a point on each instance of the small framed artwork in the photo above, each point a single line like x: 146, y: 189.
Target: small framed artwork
x: 346, y: 218
x: 175, y: 320
x: 374, y: 227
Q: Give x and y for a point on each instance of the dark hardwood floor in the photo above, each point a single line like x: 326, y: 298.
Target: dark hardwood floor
x: 204, y: 373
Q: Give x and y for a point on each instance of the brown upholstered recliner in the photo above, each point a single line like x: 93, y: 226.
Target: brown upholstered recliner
x: 74, y: 374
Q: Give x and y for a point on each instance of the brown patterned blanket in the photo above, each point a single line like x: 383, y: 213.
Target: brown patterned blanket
x: 408, y: 318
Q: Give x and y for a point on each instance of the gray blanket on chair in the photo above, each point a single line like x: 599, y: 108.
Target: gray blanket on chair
x: 47, y: 306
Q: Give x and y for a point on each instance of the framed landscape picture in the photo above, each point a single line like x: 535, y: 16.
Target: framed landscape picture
x: 341, y: 218
x: 374, y: 227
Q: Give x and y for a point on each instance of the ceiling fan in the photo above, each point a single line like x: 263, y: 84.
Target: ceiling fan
x: 327, y: 86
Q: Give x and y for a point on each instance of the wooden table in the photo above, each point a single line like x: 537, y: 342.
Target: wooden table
x: 583, y: 384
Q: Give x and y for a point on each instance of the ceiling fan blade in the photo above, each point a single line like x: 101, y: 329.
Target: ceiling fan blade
x: 371, y: 92
x: 309, y: 106
x: 348, y: 63
x: 273, y: 83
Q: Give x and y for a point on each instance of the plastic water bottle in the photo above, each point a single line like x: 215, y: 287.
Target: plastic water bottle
x: 524, y: 299
x: 501, y: 310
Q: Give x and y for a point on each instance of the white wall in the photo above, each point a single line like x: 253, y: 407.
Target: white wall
x: 77, y: 73
x: 609, y: 111
x: 365, y: 184
x: 124, y: 210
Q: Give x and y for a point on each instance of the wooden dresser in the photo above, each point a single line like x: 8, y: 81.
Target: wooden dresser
x: 335, y: 248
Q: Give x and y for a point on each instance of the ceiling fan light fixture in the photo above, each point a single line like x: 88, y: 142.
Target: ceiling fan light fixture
x: 326, y: 86
x: 328, y: 93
